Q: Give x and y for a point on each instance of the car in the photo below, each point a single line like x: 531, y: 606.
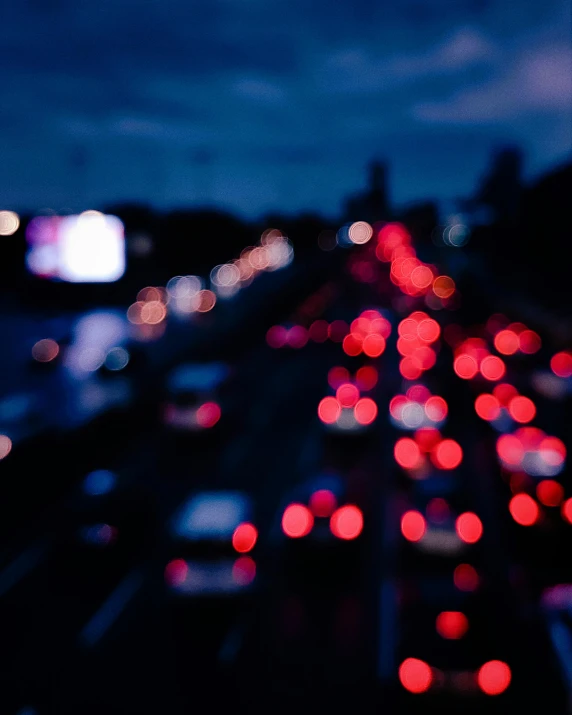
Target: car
x: 320, y: 529
x: 437, y: 530
x: 194, y: 393
x: 212, y: 538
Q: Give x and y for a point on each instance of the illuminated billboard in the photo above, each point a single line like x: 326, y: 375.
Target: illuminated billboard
x: 89, y: 248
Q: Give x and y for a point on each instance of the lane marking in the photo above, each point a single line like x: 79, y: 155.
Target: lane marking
x: 231, y: 645
x: 387, y: 630
x: 112, y: 608
x: 562, y: 643
x: 22, y: 566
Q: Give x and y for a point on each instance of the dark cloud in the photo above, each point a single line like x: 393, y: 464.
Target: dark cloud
x: 289, y: 98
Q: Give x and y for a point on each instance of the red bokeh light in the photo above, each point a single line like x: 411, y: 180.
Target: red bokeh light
x: 438, y: 510
x: 338, y: 330
x: 276, y: 336
x: 319, y: 331
x: 567, y: 511
x: 466, y: 578
x: 494, y: 677
x: 427, y: 438
x: 522, y: 409
x: 447, y: 454
x: 322, y: 502
x: 410, y: 369
x: 347, y: 395
x: 45, y: 350
x: 297, y: 337
x: 244, y: 570
x: 465, y: 366
x: 519, y: 482
x: 381, y: 325
x: 425, y: 356
x: 469, y: 527
x: 415, y: 675
x: 428, y: 330
x: 507, y: 342
x: 366, y: 378
x: 396, y: 405
x: 510, y: 449
x: 504, y: 393
x: 407, y: 328
x: 413, y: 525
x: 452, y: 625
x: 176, y: 572
x: 365, y: 411
x: 208, y: 414
x: 360, y: 326
x: 407, y: 453
x: 347, y: 522
x: 297, y: 521
x: 373, y: 345
x: 524, y: 510
x: 421, y: 277
x: 487, y: 407
x: 418, y: 393
x: 517, y: 328
x: 561, y: 364
x: 336, y: 376
x: 352, y: 344
x: 496, y: 322
x: 550, y: 492
x: 529, y: 342
x: 407, y: 346
x: 492, y: 368
x: 436, y: 408
x: 329, y: 410
x: 530, y: 437
x: 443, y: 286
x: 244, y: 538
x: 552, y: 451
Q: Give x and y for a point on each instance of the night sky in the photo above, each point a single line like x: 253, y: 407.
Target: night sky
x: 263, y: 105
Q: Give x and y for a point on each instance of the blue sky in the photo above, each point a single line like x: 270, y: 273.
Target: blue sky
x: 259, y: 106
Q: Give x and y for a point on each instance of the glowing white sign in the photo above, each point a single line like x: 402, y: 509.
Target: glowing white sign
x: 89, y: 248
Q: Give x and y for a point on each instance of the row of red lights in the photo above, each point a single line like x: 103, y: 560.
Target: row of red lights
x: 471, y: 356
x: 346, y: 522
x: 417, y: 334
x: 489, y: 407
x: 417, y: 676
x: 468, y: 526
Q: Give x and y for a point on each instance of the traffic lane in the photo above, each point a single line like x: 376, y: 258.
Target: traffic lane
x: 483, y: 487
x: 311, y: 642
x: 87, y: 401
x: 172, y: 495
x: 315, y: 638
x: 210, y: 634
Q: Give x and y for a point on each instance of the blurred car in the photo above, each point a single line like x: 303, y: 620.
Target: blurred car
x: 318, y: 527
x: 348, y: 421
x: 210, y: 579
x: 195, y: 396
x: 211, y: 537
x: 437, y: 530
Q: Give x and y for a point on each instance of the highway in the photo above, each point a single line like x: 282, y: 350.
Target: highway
x: 88, y: 622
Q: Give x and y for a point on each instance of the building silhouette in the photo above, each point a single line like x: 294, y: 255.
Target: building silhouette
x: 372, y: 205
